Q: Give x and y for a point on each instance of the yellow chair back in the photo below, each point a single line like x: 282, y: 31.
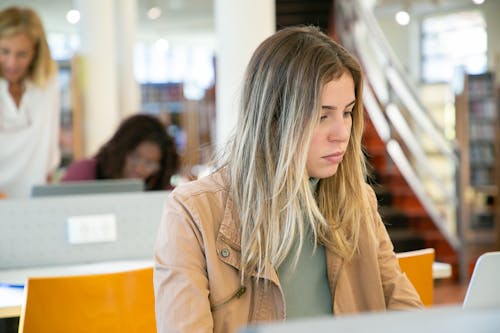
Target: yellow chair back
x: 417, y: 265
x: 111, y: 302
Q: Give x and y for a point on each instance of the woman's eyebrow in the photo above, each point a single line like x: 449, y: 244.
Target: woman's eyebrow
x: 331, y: 107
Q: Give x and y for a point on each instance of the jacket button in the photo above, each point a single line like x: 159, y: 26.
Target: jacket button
x: 224, y: 252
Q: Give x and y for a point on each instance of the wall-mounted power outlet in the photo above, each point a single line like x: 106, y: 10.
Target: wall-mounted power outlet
x: 91, y: 228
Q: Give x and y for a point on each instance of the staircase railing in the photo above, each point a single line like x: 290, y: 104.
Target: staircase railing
x: 401, y: 119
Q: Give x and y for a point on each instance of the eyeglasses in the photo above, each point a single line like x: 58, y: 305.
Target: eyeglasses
x: 148, y: 165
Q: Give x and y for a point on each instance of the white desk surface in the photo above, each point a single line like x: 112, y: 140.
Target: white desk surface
x: 11, y: 299
x: 441, y: 270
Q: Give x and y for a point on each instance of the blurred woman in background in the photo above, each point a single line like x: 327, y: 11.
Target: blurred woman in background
x: 29, y: 103
x: 140, y: 148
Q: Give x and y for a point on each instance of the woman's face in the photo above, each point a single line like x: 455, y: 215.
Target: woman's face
x: 331, y: 136
x: 16, y: 54
x: 143, y: 161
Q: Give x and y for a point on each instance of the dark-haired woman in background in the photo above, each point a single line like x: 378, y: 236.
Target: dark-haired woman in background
x: 140, y: 148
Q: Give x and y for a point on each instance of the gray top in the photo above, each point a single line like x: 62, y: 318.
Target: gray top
x: 306, y: 289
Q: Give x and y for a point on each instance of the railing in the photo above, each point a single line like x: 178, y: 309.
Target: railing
x: 401, y: 120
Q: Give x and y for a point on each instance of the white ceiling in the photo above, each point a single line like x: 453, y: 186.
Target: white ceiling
x: 193, y: 19
x: 385, y: 8
x: 179, y: 17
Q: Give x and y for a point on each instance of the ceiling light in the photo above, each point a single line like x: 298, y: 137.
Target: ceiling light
x: 402, y: 17
x: 478, y: 2
x: 73, y: 16
x: 154, y: 12
x: 161, y: 44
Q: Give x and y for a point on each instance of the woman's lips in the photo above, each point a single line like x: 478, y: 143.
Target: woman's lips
x: 334, y: 158
x: 11, y: 74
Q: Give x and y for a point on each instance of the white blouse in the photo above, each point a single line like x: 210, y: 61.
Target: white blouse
x: 29, y: 137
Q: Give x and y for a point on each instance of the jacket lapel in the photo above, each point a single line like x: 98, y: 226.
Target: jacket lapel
x: 334, y: 265
x: 229, y: 239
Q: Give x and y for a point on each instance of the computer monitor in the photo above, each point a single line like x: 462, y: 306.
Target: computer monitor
x: 88, y: 187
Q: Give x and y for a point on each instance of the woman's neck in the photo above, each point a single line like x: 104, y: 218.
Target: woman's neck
x: 313, y: 183
x: 16, y: 90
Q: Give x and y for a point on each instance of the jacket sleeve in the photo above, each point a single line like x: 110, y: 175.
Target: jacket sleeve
x: 398, y: 290
x: 180, y: 274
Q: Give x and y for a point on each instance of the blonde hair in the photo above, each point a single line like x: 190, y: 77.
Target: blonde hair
x: 280, y: 109
x: 14, y: 20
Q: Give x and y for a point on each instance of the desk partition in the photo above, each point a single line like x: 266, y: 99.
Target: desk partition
x: 52, y: 231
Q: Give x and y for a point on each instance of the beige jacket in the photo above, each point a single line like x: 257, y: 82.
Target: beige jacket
x: 197, y: 255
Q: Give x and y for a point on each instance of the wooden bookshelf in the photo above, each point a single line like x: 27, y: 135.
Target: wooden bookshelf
x: 71, y: 136
x: 497, y: 199
x: 477, y: 128
x: 192, y: 121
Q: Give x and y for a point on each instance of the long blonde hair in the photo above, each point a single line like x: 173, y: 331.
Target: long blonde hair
x: 280, y: 109
x: 14, y: 20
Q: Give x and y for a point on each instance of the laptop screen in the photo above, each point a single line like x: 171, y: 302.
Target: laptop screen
x: 88, y: 187
x: 484, y: 287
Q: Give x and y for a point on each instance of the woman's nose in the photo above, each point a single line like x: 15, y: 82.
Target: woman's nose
x: 142, y: 170
x: 9, y: 60
x: 340, y: 130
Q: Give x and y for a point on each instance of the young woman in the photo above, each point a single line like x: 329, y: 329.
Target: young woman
x: 140, y: 148
x: 29, y: 103
x: 287, y: 227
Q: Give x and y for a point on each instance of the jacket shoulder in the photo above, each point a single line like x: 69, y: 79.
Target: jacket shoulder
x: 204, y: 200
x: 207, y: 186
x: 84, y: 169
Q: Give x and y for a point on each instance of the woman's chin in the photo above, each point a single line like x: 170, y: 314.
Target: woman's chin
x: 326, y: 173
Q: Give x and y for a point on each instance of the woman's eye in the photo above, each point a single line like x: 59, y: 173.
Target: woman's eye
x: 23, y: 55
x: 348, y: 113
x: 323, y: 117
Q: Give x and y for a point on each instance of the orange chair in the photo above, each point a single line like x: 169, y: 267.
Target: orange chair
x: 111, y: 302
x: 417, y: 265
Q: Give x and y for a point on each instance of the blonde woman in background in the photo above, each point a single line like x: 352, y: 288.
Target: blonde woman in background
x: 29, y: 103
x: 287, y: 227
